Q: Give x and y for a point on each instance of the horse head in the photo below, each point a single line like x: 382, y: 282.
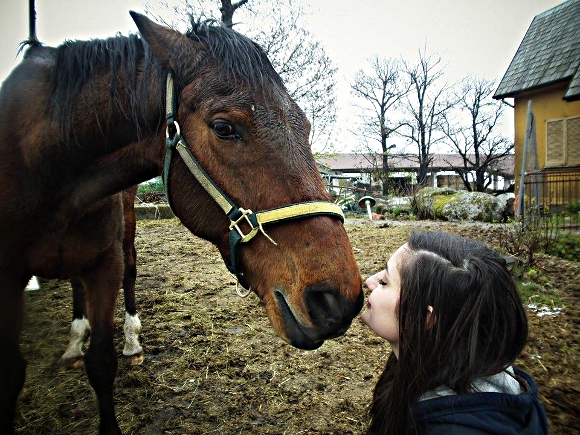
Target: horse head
x: 237, y: 122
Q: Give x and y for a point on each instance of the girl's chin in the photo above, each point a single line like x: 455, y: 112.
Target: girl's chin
x: 364, y: 317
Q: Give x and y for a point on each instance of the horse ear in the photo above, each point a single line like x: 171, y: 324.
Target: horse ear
x: 162, y: 40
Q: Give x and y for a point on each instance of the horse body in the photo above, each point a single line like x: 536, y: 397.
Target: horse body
x: 82, y: 122
x: 38, y: 177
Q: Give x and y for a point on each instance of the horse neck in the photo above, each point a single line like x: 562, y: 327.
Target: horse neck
x: 110, y: 122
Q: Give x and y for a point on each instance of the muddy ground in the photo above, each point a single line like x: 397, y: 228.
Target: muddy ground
x: 214, y: 365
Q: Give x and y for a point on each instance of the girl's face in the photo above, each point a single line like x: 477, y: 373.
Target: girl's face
x: 381, y: 314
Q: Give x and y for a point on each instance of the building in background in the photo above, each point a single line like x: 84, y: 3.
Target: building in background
x: 544, y: 75
x: 344, y: 171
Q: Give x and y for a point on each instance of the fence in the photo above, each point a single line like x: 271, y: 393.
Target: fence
x: 554, y: 194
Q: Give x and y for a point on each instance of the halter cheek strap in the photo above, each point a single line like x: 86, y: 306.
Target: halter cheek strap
x: 235, y: 214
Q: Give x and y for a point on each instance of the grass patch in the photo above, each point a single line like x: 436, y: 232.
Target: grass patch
x: 534, y: 293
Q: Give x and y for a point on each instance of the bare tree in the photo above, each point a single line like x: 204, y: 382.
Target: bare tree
x: 227, y: 9
x: 472, y: 132
x: 378, y: 93
x: 177, y: 15
x: 308, y: 73
x: 302, y: 62
x: 426, y: 106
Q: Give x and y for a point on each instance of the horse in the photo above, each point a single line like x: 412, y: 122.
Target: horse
x: 82, y: 121
x: 80, y: 327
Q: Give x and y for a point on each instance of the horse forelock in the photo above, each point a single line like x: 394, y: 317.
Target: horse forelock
x: 240, y: 57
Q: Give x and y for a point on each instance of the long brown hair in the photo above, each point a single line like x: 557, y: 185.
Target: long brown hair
x: 478, y: 326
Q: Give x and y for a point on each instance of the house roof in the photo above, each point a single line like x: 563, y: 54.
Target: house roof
x: 356, y: 163
x: 548, y: 54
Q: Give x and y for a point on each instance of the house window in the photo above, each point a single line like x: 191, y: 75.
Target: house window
x: 563, y: 141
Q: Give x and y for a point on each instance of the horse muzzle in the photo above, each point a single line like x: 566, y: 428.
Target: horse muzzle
x: 330, y: 314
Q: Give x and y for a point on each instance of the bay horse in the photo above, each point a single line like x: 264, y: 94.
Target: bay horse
x: 80, y: 327
x: 87, y: 119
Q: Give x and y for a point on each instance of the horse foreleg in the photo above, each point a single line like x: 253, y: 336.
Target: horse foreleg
x: 102, y: 288
x: 12, y: 364
x: 80, y: 328
x: 132, y: 328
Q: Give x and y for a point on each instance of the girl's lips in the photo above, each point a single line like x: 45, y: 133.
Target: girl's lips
x: 368, y: 304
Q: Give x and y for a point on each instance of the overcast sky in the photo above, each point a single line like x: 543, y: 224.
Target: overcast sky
x: 473, y: 37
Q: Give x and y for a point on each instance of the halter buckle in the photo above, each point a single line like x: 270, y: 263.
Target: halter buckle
x: 244, y: 215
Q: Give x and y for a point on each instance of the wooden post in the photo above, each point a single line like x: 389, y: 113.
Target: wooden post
x: 31, y: 21
x: 529, y: 120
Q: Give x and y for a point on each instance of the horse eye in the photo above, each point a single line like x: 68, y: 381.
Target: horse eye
x: 224, y: 130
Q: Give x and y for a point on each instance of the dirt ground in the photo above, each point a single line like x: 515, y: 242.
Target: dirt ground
x: 213, y: 364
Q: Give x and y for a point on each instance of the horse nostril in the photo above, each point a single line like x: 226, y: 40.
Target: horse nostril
x: 328, y: 308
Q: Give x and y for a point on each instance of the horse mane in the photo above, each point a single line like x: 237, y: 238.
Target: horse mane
x: 80, y: 63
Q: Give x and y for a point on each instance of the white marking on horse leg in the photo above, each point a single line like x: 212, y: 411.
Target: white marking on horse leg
x: 79, y: 332
x: 132, y: 330
x: 32, y: 284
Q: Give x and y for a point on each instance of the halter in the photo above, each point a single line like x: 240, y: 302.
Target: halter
x: 236, y: 215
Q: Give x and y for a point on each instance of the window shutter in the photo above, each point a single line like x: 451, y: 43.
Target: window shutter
x: 555, y: 143
x: 573, y: 140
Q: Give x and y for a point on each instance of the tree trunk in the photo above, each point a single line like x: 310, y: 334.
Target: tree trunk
x: 386, y: 171
x: 228, y: 10
x: 422, y: 172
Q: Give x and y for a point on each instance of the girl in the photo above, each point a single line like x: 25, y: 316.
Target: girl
x: 455, y: 322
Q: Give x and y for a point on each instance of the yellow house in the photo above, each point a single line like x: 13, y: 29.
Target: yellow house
x: 546, y: 72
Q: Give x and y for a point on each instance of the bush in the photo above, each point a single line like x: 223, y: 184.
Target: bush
x: 566, y: 247
x: 526, y: 239
x: 380, y: 209
x: 400, y: 211
x: 540, y: 233
x: 573, y: 207
x: 151, y: 191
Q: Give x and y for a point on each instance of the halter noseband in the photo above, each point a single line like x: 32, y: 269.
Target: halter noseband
x: 236, y: 215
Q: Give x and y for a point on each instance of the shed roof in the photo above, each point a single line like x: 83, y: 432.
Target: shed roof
x: 548, y: 54
x: 355, y: 163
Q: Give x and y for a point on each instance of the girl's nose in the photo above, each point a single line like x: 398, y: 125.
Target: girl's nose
x: 371, y: 282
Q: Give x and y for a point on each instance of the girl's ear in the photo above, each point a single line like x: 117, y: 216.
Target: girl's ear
x: 431, y: 318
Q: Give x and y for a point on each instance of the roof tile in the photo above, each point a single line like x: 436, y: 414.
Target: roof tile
x: 549, y: 53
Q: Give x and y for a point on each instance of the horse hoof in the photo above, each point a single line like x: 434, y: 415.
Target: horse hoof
x: 73, y: 363
x: 134, y: 360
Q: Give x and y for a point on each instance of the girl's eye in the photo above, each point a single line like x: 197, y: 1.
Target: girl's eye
x: 224, y: 130
x: 382, y: 282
